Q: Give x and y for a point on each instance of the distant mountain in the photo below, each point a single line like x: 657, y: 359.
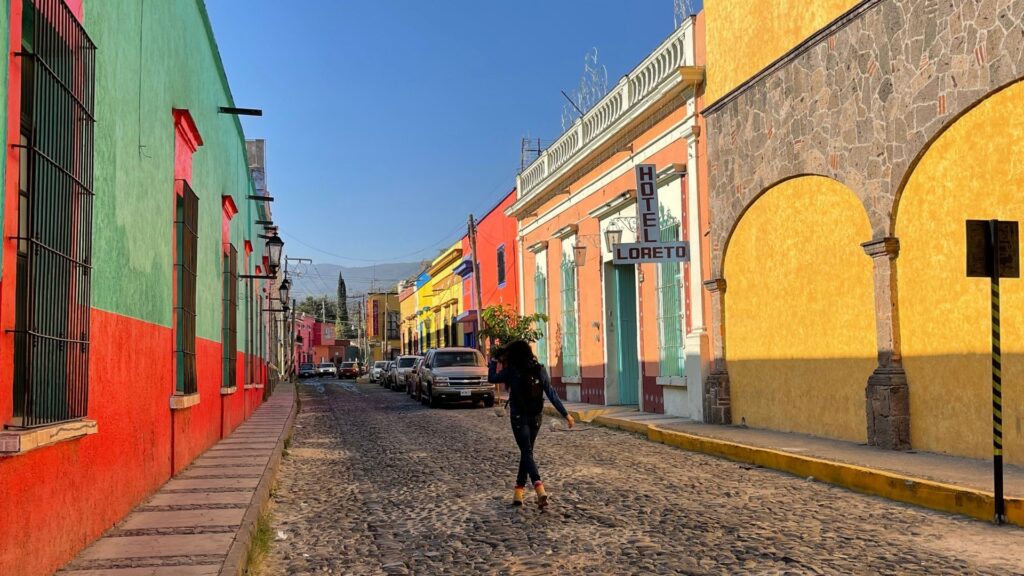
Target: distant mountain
x: 322, y: 279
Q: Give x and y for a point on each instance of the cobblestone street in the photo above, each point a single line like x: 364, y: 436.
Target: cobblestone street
x: 374, y: 483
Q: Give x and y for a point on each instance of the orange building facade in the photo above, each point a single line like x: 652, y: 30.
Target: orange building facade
x: 621, y: 334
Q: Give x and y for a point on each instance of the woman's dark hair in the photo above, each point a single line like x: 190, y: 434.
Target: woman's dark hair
x: 518, y: 356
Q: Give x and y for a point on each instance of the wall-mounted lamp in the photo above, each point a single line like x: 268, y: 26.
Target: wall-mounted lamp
x: 612, y: 236
x: 579, y: 254
x: 272, y: 248
x: 282, y: 291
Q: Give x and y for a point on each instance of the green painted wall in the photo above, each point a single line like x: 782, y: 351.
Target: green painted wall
x: 153, y: 56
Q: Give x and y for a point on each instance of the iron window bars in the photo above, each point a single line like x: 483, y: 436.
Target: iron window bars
x: 51, y: 357
x: 230, y: 301
x: 540, y: 306
x: 185, y: 265
x: 501, y: 266
x: 570, y: 355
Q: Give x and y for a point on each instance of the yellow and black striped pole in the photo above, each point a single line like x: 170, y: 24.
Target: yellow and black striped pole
x: 997, y: 380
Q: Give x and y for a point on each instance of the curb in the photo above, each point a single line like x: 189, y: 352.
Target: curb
x: 235, y: 562
x: 891, y: 485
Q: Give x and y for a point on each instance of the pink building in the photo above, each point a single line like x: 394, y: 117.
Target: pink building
x: 304, y: 328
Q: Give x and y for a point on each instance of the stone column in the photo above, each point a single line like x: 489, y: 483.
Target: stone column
x: 717, y: 402
x: 887, y: 394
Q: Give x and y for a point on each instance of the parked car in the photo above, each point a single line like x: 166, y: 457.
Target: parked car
x: 385, y: 375
x: 455, y: 374
x: 307, y: 370
x: 400, y: 370
x: 349, y: 370
x: 327, y: 369
x: 412, y: 385
x: 377, y: 370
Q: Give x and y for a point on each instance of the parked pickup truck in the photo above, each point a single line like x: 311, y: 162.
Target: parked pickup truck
x: 455, y: 374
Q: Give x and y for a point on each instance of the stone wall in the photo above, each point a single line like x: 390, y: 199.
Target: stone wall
x: 859, y: 102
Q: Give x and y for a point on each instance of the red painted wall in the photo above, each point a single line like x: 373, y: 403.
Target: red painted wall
x: 494, y: 229
x: 58, y: 498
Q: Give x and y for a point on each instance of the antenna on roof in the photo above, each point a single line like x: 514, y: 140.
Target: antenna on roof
x: 682, y: 9
x: 592, y: 87
x: 529, y: 150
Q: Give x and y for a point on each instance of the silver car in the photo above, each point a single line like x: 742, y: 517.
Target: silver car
x: 378, y: 370
x: 400, y: 370
x: 455, y: 374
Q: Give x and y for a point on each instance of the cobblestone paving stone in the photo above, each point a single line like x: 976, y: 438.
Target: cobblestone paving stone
x: 376, y: 484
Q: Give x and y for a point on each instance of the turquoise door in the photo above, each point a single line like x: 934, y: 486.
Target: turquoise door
x: 624, y: 309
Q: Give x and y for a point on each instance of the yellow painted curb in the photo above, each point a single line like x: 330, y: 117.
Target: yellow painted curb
x: 623, y: 424
x: 917, y: 491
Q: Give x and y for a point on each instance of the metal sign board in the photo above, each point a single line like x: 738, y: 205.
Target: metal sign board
x: 980, y: 250
x: 651, y: 252
x: 647, y: 229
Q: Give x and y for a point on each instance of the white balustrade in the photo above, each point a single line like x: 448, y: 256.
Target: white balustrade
x: 660, y: 66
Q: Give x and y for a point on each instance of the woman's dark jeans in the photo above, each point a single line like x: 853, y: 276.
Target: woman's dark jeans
x: 525, y: 429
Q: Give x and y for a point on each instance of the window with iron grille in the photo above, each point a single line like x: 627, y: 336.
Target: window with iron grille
x: 230, y: 322
x: 540, y: 306
x: 250, y: 370
x: 393, y: 321
x: 501, y: 266
x: 54, y: 253
x: 670, y: 311
x: 186, y: 227
x: 570, y: 356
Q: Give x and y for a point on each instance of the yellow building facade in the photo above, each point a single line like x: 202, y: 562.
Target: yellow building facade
x: 446, y: 298
x: 845, y: 155
x: 383, y: 321
x: 407, y: 309
x: 437, y: 302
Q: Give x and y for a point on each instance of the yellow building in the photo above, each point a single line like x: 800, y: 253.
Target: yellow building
x: 842, y: 147
x: 407, y: 311
x: 447, y: 298
x: 383, y: 318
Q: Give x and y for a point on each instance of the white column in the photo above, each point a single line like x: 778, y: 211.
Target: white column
x: 697, y: 338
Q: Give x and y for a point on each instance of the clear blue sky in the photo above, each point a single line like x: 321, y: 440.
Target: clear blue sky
x: 388, y: 121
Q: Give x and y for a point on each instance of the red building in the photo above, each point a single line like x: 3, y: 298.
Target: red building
x: 497, y: 257
x: 134, y: 287
x: 304, y: 328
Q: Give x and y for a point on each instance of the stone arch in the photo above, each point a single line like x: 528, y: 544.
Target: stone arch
x: 858, y: 102
x: 972, y: 170
x: 730, y: 225
x: 799, y: 316
x: 903, y: 177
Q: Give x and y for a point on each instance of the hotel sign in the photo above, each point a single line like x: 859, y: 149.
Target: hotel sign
x: 649, y: 247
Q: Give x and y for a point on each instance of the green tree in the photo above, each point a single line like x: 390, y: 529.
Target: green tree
x: 320, y: 307
x: 343, y: 317
x: 502, y: 324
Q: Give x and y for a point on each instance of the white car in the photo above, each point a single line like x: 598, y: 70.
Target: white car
x: 327, y: 369
x: 378, y: 370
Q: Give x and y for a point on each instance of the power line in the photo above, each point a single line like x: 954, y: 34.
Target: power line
x: 445, y: 239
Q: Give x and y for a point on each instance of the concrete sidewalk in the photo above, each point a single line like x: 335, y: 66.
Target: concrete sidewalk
x: 201, y: 522
x: 940, y: 482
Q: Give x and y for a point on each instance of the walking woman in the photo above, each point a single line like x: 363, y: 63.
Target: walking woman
x: 527, y: 383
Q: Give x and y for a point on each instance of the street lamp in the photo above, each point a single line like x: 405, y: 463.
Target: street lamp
x: 283, y: 290
x: 273, y: 247
x: 612, y: 236
x: 579, y: 254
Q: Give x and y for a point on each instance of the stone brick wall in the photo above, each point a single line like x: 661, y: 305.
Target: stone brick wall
x: 859, y: 102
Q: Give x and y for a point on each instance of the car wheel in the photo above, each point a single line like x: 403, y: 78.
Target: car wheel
x: 489, y: 402
x: 433, y: 401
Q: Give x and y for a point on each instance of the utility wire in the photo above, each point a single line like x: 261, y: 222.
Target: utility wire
x: 445, y: 239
